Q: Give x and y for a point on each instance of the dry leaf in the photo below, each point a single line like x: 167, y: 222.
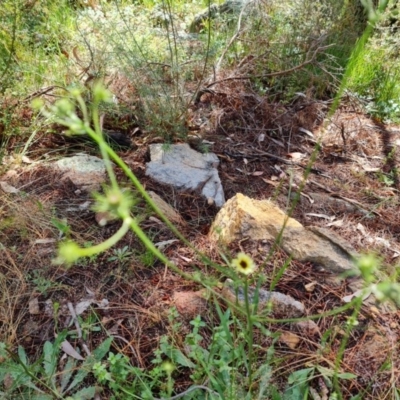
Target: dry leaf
x: 321, y: 216
x: 82, y: 306
x: 296, y: 156
x: 367, y: 293
x: 339, y: 223
x: 164, y: 244
x: 290, y: 339
x: 26, y: 160
x: 310, y: 286
x: 307, y: 132
x: 370, y: 169
x: 8, y: 188
x: 257, y: 173
x: 44, y: 241
x: 68, y: 349
x: 361, y: 228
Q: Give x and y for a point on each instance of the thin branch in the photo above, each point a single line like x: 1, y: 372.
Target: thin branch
x: 274, y: 74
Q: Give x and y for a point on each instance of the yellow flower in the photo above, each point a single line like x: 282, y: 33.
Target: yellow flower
x: 244, y: 264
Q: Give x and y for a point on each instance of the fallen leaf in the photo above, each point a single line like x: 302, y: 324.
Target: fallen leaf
x: 296, y: 156
x: 307, y: 132
x: 357, y: 293
x: 257, y: 173
x: 8, y: 188
x: 82, y: 306
x: 278, y: 142
x: 68, y: 349
x: 261, y: 137
x: 290, y: 339
x: 321, y: 216
x: 370, y: 169
x: 26, y: 160
x: 361, y: 228
x: 44, y: 241
x: 339, y: 223
x: 164, y: 244
x: 310, y: 286
x: 189, y: 260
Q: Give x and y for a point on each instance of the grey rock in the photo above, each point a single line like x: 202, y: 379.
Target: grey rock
x: 85, y: 171
x: 186, y: 169
x: 282, y: 305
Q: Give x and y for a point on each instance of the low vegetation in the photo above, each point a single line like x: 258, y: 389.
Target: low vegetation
x: 159, y: 71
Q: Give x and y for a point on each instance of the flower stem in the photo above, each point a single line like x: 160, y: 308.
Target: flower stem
x: 249, y: 330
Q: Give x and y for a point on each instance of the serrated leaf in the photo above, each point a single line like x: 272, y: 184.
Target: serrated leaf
x: 49, y: 361
x: 22, y: 355
x: 85, y: 393
x: 178, y: 357
x: 102, y: 350
x: 67, y: 372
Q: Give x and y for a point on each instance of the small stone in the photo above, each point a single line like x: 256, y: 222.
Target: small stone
x: 85, y: 171
x: 310, y: 328
x: 166, y: 209
x: 190, y: 304
x: 186, y: 169
x: 34, y: 306
x: 282, y: 305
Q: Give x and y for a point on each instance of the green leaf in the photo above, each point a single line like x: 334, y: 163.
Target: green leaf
x: 22, y: 355
x: 300, y: 376
x: 85, y: 393
x: 42, y: 396
x: 327, y: 372
x: 67, y: 372
x: 101, y: 350
x: 346, y: 375
x: 179, y: 358
x: 175, y: 355
x: 49, y: 361
x: 87, y: 365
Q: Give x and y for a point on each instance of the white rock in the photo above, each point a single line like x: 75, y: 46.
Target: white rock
x: 186, y: 169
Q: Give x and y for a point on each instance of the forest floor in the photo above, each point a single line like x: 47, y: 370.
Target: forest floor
x: 264, y: 150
